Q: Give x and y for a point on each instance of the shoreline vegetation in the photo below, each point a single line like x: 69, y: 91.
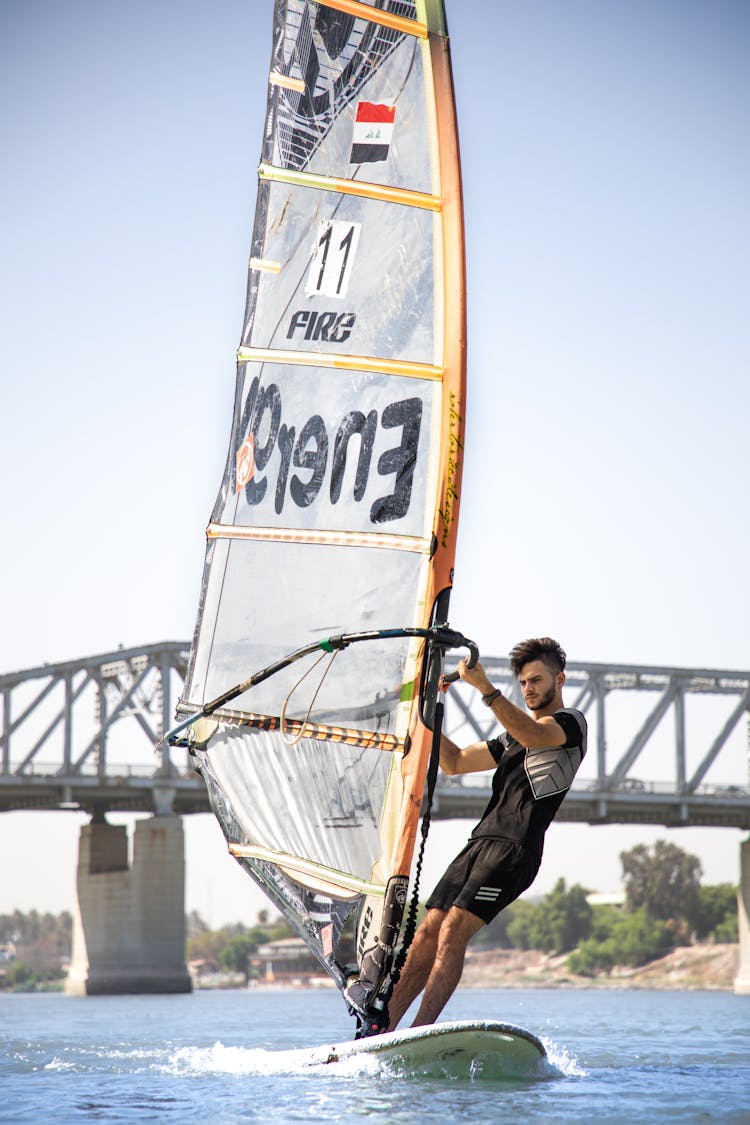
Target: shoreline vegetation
x: 665, y: 931
x: 710, y: 966
x: 702, y: 966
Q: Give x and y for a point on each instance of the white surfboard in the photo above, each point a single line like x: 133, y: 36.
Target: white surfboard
x: 458, y: 1049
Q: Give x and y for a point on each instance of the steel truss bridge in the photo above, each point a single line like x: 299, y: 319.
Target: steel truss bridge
x: 667, y: 746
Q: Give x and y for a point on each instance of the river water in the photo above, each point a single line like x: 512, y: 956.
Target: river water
x: 627, y: 1056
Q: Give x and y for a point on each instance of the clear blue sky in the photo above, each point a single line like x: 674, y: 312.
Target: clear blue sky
x: 607, y: 176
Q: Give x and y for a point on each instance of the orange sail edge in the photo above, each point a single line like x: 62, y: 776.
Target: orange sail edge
x: 415, y: 764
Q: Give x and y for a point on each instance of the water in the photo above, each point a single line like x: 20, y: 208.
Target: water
x: 219, y: 1056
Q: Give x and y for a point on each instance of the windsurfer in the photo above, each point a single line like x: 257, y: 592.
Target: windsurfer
x: 535, y: 761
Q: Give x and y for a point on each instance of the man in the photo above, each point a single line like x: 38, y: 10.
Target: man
x: 536, y: 758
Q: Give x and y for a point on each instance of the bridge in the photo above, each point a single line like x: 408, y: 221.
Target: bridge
x: 667, y: 746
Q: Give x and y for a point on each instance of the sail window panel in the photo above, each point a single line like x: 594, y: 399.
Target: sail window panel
x: 277, y: 597
x: 327, y: 802
x: 342, y: 451
x: 349, y: 275
x: 357, y: 107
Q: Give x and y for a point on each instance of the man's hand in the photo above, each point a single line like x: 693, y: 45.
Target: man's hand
x: 476, y: 676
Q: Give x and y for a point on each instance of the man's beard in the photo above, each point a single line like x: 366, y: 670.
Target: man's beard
x: 544, y: 700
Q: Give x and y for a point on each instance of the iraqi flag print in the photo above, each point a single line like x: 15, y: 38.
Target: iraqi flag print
x: 373, y: 129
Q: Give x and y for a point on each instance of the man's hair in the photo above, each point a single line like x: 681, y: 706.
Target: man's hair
x: 538, y: 648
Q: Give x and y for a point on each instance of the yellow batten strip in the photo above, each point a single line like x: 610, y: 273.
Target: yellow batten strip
x: 380, y: 192
x: 342, y: 362
x: 286, y: 80
x: 377, y: 15
x: 321, y: 732
x: 264, y: 264
x: 314, y: 871
x: 413, y: 543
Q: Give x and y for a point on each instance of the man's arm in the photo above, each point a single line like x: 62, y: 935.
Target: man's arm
x: 536, y: 734
x: 472, y: 759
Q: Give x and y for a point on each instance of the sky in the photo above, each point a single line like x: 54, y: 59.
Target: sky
x: 606, y: 173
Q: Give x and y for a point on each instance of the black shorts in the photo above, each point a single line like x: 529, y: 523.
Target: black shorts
x: 485, y: 877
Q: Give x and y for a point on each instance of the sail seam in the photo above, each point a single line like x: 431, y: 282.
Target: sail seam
x: 383, y: 192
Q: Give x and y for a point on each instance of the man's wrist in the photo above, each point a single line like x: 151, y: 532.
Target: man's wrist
x: 491, y: 696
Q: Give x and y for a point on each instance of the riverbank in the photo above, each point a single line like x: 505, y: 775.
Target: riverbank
x: 689, y: 967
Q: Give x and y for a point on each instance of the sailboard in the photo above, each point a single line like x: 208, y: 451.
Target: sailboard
x: 311, y: 697
x: 470, y: 1049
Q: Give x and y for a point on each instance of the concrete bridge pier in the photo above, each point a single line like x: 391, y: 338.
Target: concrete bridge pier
x: 742, y: 980
x: 129, y: 921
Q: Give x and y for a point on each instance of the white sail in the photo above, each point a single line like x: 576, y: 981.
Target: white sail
x: 338, y: 505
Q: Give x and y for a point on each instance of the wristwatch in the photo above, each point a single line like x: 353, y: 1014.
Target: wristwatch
x: 488, y: 700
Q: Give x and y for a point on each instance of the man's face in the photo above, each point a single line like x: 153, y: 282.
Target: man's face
x: 538, y: 685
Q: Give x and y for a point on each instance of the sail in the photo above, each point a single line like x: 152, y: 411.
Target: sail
x: 338, y: 507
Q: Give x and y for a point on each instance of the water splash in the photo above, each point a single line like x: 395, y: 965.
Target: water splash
x: 241, y: 1061
x: 59, y: 1064
x: 561, y: 1062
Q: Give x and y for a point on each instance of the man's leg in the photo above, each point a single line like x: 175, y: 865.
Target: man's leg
x: 419, y: 962
x: 457, y: 929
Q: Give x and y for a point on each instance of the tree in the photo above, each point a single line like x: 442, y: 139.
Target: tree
x: 717, y: 913
x: 520, y: 928
x: 633, y: 939
x: 664, y: 882
x: 196, y: 924
x: 567, y: 916
x: 236, y: 953
x: 556, y: 924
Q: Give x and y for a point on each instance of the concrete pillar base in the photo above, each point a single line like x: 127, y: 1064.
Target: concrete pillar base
x: 129, y: 922
x: 742, y: 980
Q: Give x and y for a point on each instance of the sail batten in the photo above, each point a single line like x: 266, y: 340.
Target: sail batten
x: 336, y: 517
x: 384, y: 192
x: 340, y: 361
x: 323, y: 875
x: 376, y: 15
x: 412, y: 543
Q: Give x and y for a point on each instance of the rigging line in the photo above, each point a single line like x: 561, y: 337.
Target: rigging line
x: 298, y: 737
x: 411, y: 919
x: 409, y: 69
